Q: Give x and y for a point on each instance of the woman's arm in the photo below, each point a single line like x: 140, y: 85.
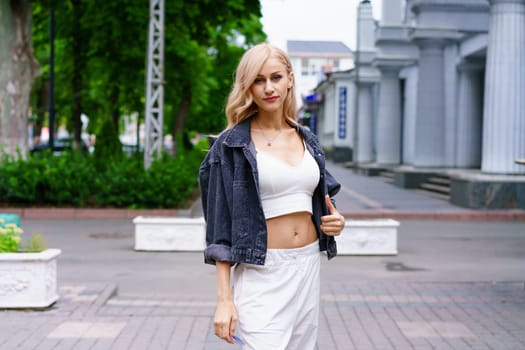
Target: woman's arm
x: 216, y: 191
x: 225, y: 314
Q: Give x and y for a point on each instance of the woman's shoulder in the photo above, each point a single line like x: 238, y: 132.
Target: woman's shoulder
x: 218, y: 138
x: 307, y: 134
x: 217, y: 146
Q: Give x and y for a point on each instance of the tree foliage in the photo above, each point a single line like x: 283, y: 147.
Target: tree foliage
x: 101, y: 48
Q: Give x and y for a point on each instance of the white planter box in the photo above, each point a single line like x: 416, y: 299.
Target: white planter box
x: 169, y: 234
x: 359, y: 237
x: 368, y: 237
x: 28, y: 280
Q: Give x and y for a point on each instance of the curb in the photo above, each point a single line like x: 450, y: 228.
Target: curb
x: 111, y: 213
x: 76, y: 213
x: 462, y: 215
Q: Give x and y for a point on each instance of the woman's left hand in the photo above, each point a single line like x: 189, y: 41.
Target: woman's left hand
x: 332, y: 224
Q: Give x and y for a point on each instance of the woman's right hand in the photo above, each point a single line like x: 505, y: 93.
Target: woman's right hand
x: 225, y: 320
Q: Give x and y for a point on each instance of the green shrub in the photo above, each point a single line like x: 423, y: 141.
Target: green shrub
x: 18, y: 179
x: 68, y: 180
x: 74, y: 179
x: 34, y: 244
x: 9, y: 237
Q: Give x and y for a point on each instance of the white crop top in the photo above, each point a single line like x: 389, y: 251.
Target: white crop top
x: 284, y: 188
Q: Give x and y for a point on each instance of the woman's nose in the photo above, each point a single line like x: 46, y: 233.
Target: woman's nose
x: 268, y: 87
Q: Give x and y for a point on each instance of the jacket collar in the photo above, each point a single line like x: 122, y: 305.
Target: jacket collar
x: 239, y: 135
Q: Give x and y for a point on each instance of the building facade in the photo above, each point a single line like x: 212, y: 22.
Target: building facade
x: 438, y: 85
x: 312, y: 60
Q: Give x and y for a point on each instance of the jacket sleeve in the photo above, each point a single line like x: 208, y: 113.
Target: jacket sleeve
x: 216, y: 207
x: 332, y: 185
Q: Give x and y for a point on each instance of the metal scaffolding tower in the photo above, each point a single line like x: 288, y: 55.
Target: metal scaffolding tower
x: 155, y: 84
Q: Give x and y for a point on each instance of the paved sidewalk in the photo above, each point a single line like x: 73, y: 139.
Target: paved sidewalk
x: 367, y: 197
x: 354, y: 315
x: 454, y: 285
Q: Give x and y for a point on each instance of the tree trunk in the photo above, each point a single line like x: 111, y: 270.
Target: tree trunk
x: 115, y: 110
x: 18, y: 68
x: 178, y: 131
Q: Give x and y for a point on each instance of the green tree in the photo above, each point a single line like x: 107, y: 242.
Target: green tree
x: 70, y: 60
x: 101, y: 57
x: 203, y: 48
x: 108, y: 147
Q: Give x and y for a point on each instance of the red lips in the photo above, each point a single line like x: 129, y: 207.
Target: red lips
x: 271, y: 99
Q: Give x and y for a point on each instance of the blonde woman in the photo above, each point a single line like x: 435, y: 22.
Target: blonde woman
x: 266, y: 197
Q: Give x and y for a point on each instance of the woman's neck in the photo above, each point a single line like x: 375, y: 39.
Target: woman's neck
x: 270, y: 121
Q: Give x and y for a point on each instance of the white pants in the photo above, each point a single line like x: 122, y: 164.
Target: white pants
x: 278, y: 303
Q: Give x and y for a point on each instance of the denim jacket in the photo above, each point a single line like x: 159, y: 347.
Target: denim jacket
x: 235, y: 224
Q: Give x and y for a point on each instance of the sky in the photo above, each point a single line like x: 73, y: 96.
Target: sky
x: 332, y: 20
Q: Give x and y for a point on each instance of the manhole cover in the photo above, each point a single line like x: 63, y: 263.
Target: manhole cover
x: 399, y: 266
x: 114, y: 235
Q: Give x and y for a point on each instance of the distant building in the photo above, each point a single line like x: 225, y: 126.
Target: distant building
x: 311, y: 60
x: 438, y: 88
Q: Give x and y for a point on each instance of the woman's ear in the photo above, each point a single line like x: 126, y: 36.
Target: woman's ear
x: 290, y: 80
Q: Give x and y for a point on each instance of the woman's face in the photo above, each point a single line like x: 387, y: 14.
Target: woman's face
x: 270, y: 88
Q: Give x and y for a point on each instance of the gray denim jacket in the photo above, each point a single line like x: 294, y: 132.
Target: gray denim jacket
x: 235, y: 225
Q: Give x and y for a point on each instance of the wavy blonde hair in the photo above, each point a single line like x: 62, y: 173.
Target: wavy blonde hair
x: 240, y: 103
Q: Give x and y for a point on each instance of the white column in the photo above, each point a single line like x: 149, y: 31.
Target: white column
x: 391, y: 12
x: 410, y: 75
x: 504, y: 109
x: 469, y: 117
x: 365, y: 76
x: 365, y: 27
x: 389, y: 117
x: 430, y: 122
x: 364, y: 125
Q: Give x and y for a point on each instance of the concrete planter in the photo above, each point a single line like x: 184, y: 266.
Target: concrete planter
x: 360, y: 237
x: 28, y: 280
x: 368, y: 237
x: 169, y: 234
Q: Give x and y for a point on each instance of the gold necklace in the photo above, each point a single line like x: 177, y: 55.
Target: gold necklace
x: 268, y: 141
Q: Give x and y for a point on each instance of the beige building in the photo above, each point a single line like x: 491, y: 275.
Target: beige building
x: 311, y: 60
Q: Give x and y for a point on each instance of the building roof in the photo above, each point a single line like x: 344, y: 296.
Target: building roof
x: 299, y: 47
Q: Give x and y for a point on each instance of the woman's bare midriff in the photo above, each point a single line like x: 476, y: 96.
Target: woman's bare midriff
x: 291, y: 231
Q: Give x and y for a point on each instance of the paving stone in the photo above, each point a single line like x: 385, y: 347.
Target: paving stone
x: 132, y: 331
x: 417, y: 329
x: 87, y: 330
x: 375, y: 313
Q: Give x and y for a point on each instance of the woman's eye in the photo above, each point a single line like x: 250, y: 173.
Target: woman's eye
x: 276, y: 78
x: 258, y: 80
